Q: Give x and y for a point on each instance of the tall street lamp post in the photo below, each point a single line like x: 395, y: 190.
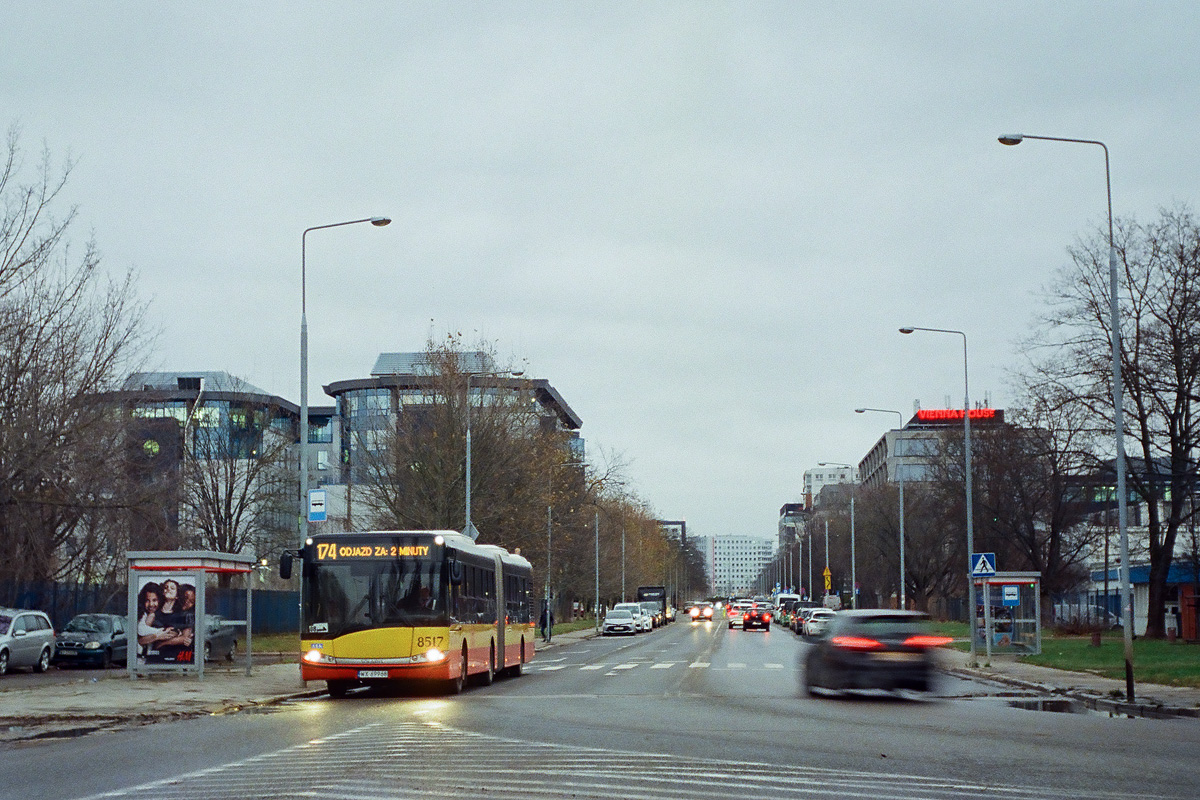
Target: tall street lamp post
x: 549, y: 540
x: 468, y: 528
x: 967, y: 466
x: 900, y: 481
x: 378, y: 222
x: 853, y: 556
x: 1118, y: 402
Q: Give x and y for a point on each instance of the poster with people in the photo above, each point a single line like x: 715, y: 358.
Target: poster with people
x: 166, y: 612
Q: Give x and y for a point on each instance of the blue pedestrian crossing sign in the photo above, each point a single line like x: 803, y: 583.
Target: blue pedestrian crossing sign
x: 983, y: 565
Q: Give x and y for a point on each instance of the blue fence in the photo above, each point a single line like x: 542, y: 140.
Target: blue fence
x: 274, y: 611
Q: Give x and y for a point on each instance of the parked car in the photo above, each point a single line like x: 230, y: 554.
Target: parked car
x: 643, y: 619
x: 619, y: 620
x: 817, y: 621
x: 655, y: 611
x: 221, y: 641
x: 26, y: 640
x: 95, y: 640
x: 873, y: 649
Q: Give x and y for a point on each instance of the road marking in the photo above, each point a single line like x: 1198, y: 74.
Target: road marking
x: 419, y: 751
x: 625, y: 666
x: 593, y: 666
x: 552, y: 668
x: 666, y: 665
x: 735, y: 665
x: 773, y: 666
x: 698, y: 665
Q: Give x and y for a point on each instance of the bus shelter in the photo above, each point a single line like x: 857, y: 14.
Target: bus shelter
x: 167, y: 608
x: 1007, y: 613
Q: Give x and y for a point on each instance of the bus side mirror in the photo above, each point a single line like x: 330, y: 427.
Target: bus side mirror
x: 285, y: 565
x: 455, y: 573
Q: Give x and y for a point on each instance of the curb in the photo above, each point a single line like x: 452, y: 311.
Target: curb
x: 1095, y: 702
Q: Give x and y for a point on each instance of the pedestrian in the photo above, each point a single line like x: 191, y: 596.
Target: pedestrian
x: 542, y: 623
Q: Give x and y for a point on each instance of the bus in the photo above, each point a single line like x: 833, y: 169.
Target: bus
x: 380, y: 607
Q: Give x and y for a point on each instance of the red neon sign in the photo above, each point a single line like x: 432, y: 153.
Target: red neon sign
x: 950, y: 414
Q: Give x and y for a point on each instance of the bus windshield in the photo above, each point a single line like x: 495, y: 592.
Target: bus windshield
x: 348, y: 596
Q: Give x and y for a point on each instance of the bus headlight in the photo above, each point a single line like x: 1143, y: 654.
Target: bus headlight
x: 433, y: 655
x: 314, y: 657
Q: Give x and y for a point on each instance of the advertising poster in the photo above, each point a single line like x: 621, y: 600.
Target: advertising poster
x: 166, y: 612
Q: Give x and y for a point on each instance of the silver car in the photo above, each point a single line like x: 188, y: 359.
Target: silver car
x: 619, y: 620
x: 26, y: 640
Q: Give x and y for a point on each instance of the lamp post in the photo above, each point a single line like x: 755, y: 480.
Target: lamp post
x: 967, y: 466
x: 549, y: 529
x: 853, y: 556
x: 1118, y: 402
x: 378, y: 222
x: 469, y: 529
x: 900, y: 481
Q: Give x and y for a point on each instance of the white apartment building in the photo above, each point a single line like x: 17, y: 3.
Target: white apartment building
x: 819, y: 477
x: 734, y: 562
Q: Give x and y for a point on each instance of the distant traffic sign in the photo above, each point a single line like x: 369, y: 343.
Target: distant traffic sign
x: 983, y: 565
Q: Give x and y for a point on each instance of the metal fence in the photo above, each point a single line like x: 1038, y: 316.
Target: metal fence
x: 274, y: 611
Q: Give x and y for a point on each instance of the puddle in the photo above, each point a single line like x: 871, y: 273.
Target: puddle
x: 1055, y: 705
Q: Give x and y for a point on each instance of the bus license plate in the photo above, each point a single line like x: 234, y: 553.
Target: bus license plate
x: 372, y: 673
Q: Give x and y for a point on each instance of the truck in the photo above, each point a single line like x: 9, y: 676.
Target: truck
x: 656, y: 595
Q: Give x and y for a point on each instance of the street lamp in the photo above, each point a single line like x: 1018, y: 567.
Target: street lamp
x: 970, y: 494
x: 853, y: 556
x: 900, y: 481
x: 378, y: 222
x: 549, y: 528
x: 1118, y: 401
x: 468, y: 529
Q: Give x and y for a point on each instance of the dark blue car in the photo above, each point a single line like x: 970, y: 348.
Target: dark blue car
x: 95, y: 640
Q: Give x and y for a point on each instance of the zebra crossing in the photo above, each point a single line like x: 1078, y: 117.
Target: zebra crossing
x: 414, y: 759
x: 624, y: 666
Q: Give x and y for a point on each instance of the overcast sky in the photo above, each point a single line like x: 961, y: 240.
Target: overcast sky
x: 703, y: 222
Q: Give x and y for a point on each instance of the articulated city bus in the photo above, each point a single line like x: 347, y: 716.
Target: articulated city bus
x: 386, y: 606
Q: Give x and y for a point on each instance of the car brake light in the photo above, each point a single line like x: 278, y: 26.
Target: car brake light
x: 923, y: 640
x: 766, y: 617
x: 855, y: 643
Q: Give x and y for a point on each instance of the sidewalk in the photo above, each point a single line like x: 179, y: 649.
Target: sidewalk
x: 1093, y: 691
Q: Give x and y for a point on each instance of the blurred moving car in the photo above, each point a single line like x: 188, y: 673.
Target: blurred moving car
x: 221, y: 641
x: 95, y: 640
x: 873, y: 649
x: 817, y: 621
x: 619, y: 620
x: 26, y: 640
x: 701, y: 612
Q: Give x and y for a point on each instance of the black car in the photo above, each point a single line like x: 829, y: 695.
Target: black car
x: 758, y: 615
x: 96, y: 640
x: 873, y: 649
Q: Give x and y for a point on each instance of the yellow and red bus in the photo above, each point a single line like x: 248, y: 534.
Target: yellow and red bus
x: 387, y: 606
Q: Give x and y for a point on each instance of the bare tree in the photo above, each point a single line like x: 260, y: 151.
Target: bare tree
x: 66, y: 332
x: 1160, y: 359
x: 237, y: 490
